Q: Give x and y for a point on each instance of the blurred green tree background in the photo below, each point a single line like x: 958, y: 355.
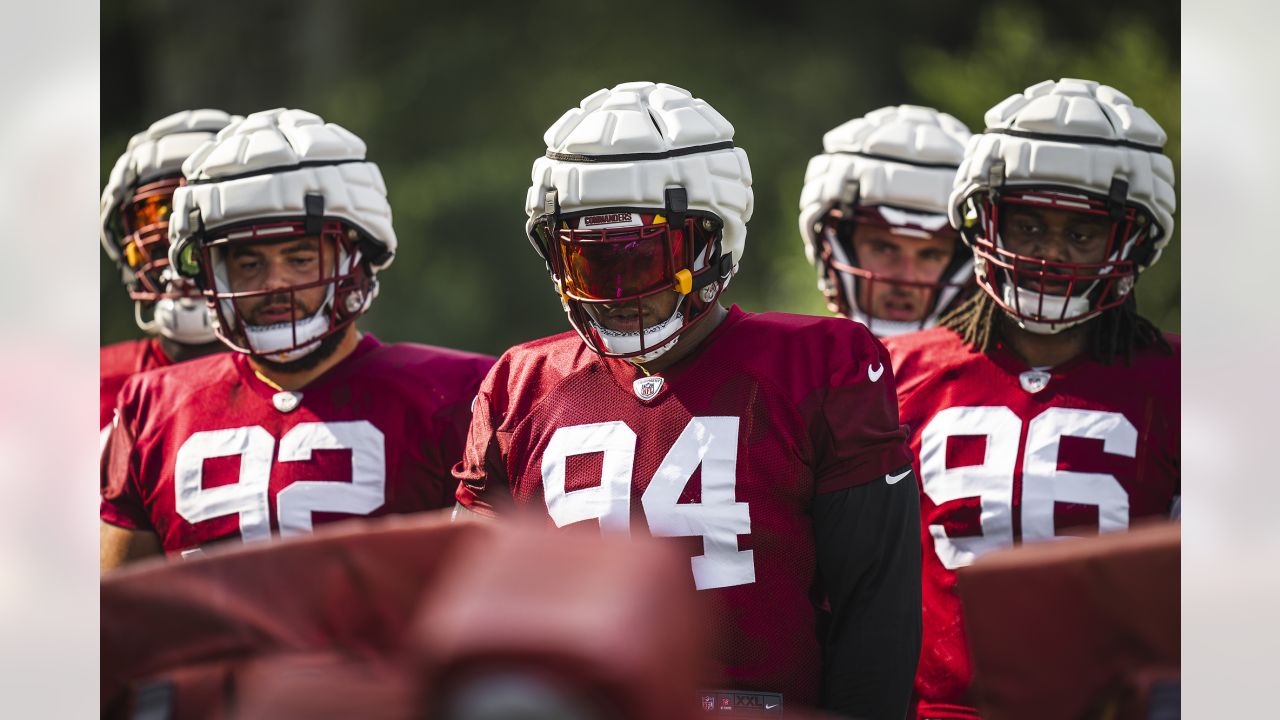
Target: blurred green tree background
x: 453, y: 100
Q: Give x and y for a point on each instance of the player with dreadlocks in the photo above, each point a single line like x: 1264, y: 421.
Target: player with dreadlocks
x: 1116, y: 333
x: 1044, y: 406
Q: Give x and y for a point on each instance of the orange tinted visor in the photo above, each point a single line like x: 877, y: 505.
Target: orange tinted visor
x: 149, y: 211
x: 620, y: 263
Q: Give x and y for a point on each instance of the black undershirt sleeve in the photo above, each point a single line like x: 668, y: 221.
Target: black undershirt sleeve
x: 868, y: 548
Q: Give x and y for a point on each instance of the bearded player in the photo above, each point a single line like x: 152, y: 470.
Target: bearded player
x: 873, y: 216
x: 135, y: 235
x: 1045, y: 406
x: 767, y: 445
x: 284, y: 225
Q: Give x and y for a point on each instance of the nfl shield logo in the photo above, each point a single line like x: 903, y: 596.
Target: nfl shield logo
x: 708, y: 703
x: 647, y: 388
x: 1033, y: 381
x: 286, y: 401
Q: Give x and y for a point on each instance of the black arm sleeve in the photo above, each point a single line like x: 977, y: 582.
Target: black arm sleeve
x: 868, y: 544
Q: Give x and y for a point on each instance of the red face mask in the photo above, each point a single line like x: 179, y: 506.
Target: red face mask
x: 339, y: 270
x: 1025, y: 282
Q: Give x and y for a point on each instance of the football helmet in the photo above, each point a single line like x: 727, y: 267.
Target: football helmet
x: 274, y: 176
x: 134, y: 228
x: 641, y: 191
x: 1073, y: 146
x: 892, y: 168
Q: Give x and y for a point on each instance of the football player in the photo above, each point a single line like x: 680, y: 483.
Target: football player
x: 135, y: 235
x: 873, y: 216
x: 768, y: 444
x: 1045, y: 405
x: 284, y: 225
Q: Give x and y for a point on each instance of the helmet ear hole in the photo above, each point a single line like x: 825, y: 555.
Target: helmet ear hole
x: 1143, y: 252
x: 1149, y: 239
x: 370, y: 250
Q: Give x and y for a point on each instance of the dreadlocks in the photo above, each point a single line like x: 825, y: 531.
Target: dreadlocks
x: 974, y: 321
x: 1117, y: 332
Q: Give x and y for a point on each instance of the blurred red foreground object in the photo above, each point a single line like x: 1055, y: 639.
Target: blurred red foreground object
x: 408, y: 618
x: 1077, y: 629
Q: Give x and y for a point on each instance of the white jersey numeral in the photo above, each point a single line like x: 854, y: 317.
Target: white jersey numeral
x: 249, y: 498
x: 713, y: 443
x: 246, y: 498
x: 991, y: 482
x: 365, y: 493
x: 610, y: 501
x: 1043, y: 484
x: 718, y: 519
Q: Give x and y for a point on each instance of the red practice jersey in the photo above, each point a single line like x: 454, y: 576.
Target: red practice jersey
x: 208, y: 451
x: 119, y: 362
x: 1008, y: 454
x: 725, y: 450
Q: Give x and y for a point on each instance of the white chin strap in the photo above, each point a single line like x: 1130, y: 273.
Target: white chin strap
x: 629, y: 342
x: 1070, y: 309
x: 186, y: 320
x: 271, y: 341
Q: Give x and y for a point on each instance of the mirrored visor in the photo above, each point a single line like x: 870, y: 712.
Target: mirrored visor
x: 149, y: 211
x: 619, y: 263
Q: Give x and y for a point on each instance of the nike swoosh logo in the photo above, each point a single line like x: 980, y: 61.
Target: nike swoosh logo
x: 891, y: 479
x: 875, y: 374
x: 767, y: 706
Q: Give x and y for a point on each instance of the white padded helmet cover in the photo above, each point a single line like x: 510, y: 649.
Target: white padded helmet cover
x: 927, y: 146
x: 1089, y: 121
x: 264, y: 167
x: 641, y: 117
x: 152, y: 154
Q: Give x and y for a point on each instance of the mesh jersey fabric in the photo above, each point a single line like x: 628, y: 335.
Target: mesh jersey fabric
x: 780, y: 407
x: 120, y: 361
x: 1097, y: 447
x: 204, y: 453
